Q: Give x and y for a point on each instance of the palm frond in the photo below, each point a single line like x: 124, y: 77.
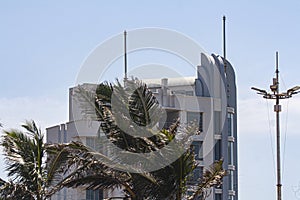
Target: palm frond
x: 24, y: 153
x: 212, y: 177
x: 19, y: 154
x: 12, y: 191
x: 86, y: 97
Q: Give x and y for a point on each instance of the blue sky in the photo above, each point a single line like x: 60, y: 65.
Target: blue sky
x: 43, y: 45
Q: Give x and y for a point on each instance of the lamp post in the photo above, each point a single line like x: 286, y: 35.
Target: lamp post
x: 277, y: 96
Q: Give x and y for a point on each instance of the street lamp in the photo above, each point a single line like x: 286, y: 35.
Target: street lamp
x: 276, y: 95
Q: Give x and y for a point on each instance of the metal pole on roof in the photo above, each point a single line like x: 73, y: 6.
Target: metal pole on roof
x: 224, y: 41
x: 125, y: 56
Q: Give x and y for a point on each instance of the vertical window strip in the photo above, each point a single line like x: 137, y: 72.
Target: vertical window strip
x: 230, y: 124
x: 218, y: 149
x: 217, y: 122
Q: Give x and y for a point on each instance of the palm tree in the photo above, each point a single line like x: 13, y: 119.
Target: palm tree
x: 23, y: 154
x: 38, y: 170
x: 31, y: 176
x: 167, y: 182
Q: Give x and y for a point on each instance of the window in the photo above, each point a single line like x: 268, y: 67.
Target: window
x: 197, y: 174
x: 65, y: 135
x: 198, y: 149
x: 179, y: 92
x: 90, y: 142
x: 230, y: 153
x: 195, y: 117
x: 218, y: 150
x: 231, y: 180
x: 172, y: 116
x: 94, y: 194
x: 183, y: 92
x: 189, y: 93
x: 218, y: 196
x: 217, y: 122
x: 230, y: 124
x: 59, y: 136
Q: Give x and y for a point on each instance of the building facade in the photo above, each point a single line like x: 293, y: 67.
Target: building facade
x: 209, y: 98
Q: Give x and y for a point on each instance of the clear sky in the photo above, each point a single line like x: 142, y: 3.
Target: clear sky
x: 43, y: 45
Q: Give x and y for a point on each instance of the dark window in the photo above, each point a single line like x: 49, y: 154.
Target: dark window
x: 94, y: 194
x: 217, y: 122
x: 198, y: 149
x: 197, y: 175
x: 195, y: 118
x: 218, y: 196
x: 230, y: 153
x: 230, y: 124
x: 201, y: 122
x: 218, y: 150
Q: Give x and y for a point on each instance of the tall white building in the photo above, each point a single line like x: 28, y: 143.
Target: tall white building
x: 209, y: 98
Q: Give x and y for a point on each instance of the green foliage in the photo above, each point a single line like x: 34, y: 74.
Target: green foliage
x: 211, y: 178
x: 31, y: 176
x: 12, y: 191
x: 23, y: 155
x: 128, y: 116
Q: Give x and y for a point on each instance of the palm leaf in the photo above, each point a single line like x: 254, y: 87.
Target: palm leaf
x: 24, y: 152
x: 12, y: 191
x: 212, y: 177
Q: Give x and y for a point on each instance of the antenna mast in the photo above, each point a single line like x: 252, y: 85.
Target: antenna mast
x: 125, y: 57
x: 224, y: 41
x: 224, y: 57
x: 275, y: 95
